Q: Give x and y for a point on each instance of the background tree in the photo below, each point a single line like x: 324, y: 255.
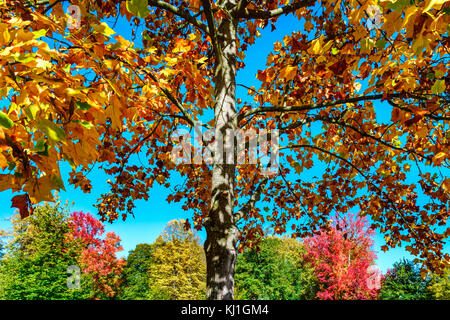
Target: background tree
x: 98, y: 256
x: 440, y: 286
x: 38, y: 255
x: 405, y: 282
x: 274, y: 272
x: 341, y: 256
x: 2, y: 244
x: 136, y: 284
x: 178, y: 269
x: 319, y: 89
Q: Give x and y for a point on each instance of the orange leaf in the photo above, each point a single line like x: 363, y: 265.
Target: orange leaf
x: 288, y: 72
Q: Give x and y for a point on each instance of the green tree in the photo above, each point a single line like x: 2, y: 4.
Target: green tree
x: 440, y: 286
x: 405, y: 282
x: 274, y: 272
x: 38, y: 256
x: 136, y: 285
x: 178, y: 271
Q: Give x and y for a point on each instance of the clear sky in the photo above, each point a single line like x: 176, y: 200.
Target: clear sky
x: 151, y: 216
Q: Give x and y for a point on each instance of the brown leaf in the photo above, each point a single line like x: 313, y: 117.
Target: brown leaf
x: 22, y: 202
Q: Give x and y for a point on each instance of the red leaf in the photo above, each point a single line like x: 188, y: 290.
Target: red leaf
x: 22, y: 202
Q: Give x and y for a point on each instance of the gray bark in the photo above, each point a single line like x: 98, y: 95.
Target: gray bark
x: 222, y: 234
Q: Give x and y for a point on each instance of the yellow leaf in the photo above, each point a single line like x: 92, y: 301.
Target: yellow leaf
x: 435, y: 4
x: 113, y: 112
x: 104, y: 29
x: 316, y: 46
x: 288, y: 73
x: 440, y: 155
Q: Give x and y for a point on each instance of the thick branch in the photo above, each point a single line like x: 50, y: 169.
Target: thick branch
x: 315, y: 105
x: 244, y: 13
x: 212, y: 27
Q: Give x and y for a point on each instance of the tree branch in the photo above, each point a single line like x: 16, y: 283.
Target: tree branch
x: 315, y: 105
x: 242, y: 12
x: 251, y: 203
x: 180, y: 13
x: 212, y: 28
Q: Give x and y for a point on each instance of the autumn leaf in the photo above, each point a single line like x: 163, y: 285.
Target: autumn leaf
x: 22, y: 202
x: 438, y: 87
x: 5, y: 121
x: 51, y: 130
x: 288, y: 73
x: 138, y: 7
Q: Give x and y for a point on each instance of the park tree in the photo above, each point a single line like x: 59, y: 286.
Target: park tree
x: 37, y: 258
x: 440, y: 286
x: 405, y: 281
x: 178, y: 269
x: 343, y: 259
x: 276, y: 270
x: 53, y: 249
x: 136, y: 284
x: 359, y: 91
x: 98, y: 255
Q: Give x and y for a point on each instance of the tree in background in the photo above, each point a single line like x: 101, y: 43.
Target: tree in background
x: 2, y: 244
x: 136, y: 284
x: 275, y: 272
x: 440, y: 286
x: 45, y: 244
x: 178, y: 269
x: 38, y: 255
x: 98, y: 256
x: 405, y: 282
x: 341, y: 256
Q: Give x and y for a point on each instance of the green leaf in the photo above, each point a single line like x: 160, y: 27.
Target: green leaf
x: 398, y: 5
x: 23, y: 57
x: 438, y: 87
x: 51, y: 130
x: 138, y: 8
x: 31, y: 111
x: 85, y: 124
x: 39, y: 33
x: 83, y: 105
x: 380, y: 44
x: 5, y: 121
x: 334, y: 51
x: 40, y: 146
x: 57, y: 182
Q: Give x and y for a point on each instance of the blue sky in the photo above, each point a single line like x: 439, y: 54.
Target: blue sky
x: 151, y: 216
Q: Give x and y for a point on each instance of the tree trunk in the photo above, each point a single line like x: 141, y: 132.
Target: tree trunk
x: 222, y: 234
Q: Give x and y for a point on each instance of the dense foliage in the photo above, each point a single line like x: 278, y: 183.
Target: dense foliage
x: 136, y: 284
x: 440, y: 286
x: 342, y: 256
x: 405, y: 282
x: 276, y: 272
x: 37, y: 258
x: 178, y: 270
x: 44, y: 247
